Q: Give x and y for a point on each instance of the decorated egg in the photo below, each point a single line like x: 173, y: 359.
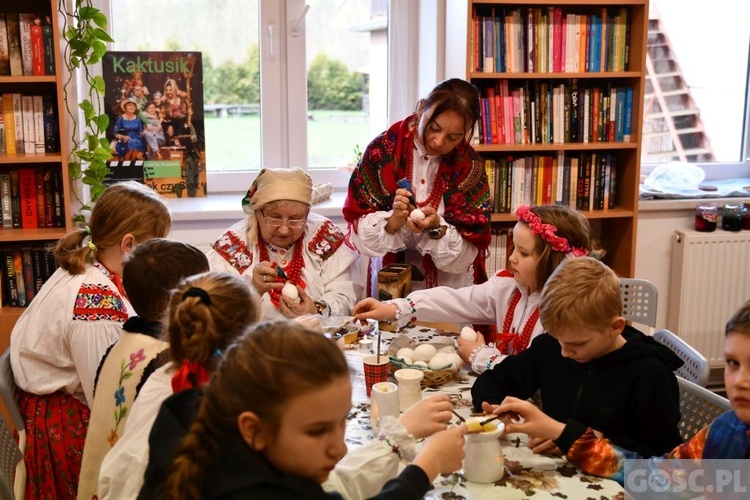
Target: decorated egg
x: 424, y: 352
x: 447, y: 349
x: 405, y: 352
x: 423, y: 364
x: 290, y: 291
x: 407, y: 360
x: 468, y: 334
x: 417, y: 215
x: 455, y: 360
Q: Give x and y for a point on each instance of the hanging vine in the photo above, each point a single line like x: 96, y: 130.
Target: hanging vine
x: 85, y: 37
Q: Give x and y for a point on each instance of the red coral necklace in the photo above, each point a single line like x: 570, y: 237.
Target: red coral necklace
x: 519, y: 342
x: 438, y: 187
x: 293, y: 271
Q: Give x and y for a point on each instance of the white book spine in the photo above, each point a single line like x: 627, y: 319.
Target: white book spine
x: 39, y: 124
x: 29, y: 135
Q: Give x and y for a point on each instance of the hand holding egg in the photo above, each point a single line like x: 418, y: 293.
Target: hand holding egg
x: 290, y: 291
x: 417, y: 215
x: 468, y: 334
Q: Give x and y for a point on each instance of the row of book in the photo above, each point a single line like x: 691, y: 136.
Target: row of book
x: 28, y: 124
x: 541, y: 112
x: 27, y: 45
x: 31, y: 197
x: 25, y: 269
x: 501, y: 246
x: 550, y: 39
x: 586, y: 181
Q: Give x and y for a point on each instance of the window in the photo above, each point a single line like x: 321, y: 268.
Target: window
x: 283, y: 85
x: 696, y: 102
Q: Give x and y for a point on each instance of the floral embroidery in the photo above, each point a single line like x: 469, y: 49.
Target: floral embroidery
x: 96, y: 302
x: 234, y: 251
x: 126, y: 371
x: 327, y: 239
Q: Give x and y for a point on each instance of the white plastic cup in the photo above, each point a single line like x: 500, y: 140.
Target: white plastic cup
x: 384, y: 403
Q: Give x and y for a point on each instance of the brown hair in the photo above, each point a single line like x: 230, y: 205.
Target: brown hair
x: 455, y: 95
x: 571, y: 224
x: 153, y: 269
x: 199, y: 325
x: 582, y: 292
x: 256, y: 374
x: 126, y: 207
x: 740, y: 321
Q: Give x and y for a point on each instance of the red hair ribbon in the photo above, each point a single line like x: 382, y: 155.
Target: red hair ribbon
x: 190, y: 375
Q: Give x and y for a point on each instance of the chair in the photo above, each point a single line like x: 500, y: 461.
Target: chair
x: 639, y: 301
x: 9, y: 393
x: 696, y: 368
x: 10, y: 457
x: 699, y: 407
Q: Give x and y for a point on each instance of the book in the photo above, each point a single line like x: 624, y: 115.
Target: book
x: 628, y: 112
x: 14, y: 43
x: 20, y: 281
x: 15, y: 198
x: 27, y: 114
x: 27, y: 265
x: 49, y: 45
x: 18, y: 119
x: 40, y: 203
x: 27, y: 189
x: 50, y: 124
x: 37, y: 263
x: 9, y: 123
x: 37, y: 47
x: 57, y: 199
x: 4, y: 54
x: 25, y: 20
x: 3, y: 148
x: 48, y: 188
x: 10, y: 277
x: 5, y: 205
x: 38, y: 105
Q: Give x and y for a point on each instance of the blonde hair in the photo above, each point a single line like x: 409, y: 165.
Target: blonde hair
x: 256, y: 374
x: 581, y: 293
x: 199, y: 326
x: 126, y: 207
x: 571, y: 224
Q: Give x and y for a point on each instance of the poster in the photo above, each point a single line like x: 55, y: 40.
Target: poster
x: 156, y: 131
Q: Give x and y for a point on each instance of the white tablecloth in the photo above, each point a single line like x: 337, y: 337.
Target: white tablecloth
x: 527, y: 475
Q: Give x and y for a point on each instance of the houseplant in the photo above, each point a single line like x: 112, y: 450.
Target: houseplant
x: 85, y: 37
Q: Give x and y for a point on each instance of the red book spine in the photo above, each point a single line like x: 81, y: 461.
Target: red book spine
x: 27, y: 189
x: 37, y: 48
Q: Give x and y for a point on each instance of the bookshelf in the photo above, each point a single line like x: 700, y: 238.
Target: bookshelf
x: 538, y: 134
x: 43, y: 85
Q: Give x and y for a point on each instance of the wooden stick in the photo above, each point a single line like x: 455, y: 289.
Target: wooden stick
x: 377, y: 358
x: 462, y: 419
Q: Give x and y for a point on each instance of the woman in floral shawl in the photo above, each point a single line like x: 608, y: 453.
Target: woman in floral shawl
x: 447, y: 238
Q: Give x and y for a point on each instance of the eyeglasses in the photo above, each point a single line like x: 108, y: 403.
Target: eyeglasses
x: 290, y: 223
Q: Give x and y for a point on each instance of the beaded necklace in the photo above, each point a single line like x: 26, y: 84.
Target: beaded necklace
x: 436, y: 193
x: 520, y: 342
x: 293, y: 271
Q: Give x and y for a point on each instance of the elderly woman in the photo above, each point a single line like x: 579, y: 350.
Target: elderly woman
x: 281, y: 241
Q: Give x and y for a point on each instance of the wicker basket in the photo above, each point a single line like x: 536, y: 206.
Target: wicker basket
x: 321, y: 192
x: 431, y: 377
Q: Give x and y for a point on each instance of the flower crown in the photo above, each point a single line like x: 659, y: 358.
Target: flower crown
x: 547, y: 232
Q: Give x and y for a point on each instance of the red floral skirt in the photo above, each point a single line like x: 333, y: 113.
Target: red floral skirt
x: 56, y: 427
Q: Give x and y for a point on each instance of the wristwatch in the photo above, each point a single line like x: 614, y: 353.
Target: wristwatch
x: 435, y: 233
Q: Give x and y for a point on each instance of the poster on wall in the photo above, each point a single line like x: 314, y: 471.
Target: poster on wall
x: 156, y: 131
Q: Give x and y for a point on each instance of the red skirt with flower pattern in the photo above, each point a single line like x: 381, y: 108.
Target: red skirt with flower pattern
x: 56, y: 427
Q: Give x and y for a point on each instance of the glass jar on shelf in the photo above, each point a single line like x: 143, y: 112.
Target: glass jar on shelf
x: 706, y: 215
x: 746, y: 218
x: 731, y: 216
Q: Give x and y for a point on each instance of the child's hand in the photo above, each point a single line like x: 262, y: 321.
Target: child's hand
x: 427, y: 416
x: 544, y: 446
x: 535, y: 422
x: 370, y: 308
x: 442, y: 452
x: 465, y: 347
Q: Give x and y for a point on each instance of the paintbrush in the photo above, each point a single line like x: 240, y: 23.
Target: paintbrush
x: 476, y: 427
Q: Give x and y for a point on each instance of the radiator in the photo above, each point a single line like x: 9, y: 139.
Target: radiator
x: 710, y: 281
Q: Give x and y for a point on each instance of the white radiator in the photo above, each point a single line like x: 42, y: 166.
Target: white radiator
x: 710, y: 281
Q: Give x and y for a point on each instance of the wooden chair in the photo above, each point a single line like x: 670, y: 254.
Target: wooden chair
x: 696, y: 368
x: 9, y: 458
x: 699, y: 407
x: 639, y: 300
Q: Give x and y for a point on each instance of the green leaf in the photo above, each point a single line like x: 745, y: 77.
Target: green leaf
x: 104, y: 142
x: 102, y: 35
x: 87, y: 13
x: 100, y: 20
x: 79, y: 219
x: 98, y: 84
x: 83, y: 154
x: 79, y: 47
x: 97, y: 191
x: 127, y: 375
x: 102, y: 153
x: 102, y: 122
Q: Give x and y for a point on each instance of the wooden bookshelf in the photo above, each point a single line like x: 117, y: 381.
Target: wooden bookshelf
x: 47, y: 85
x: 614, y: 226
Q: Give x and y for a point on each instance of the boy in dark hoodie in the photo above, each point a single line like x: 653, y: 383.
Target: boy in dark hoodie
x: 592, y: 370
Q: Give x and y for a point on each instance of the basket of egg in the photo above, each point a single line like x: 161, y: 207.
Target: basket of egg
x: 439, y: 361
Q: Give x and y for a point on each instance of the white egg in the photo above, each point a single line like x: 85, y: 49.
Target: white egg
x: 467, y: 333
x: 455, y: 360
x: 405, y: 352
x: 417, y: 215
x: 290, y: 291
x: 407, y: 360
x: 424, y: 352
x: 439, y: 362
x: 446, y: 349
x: 420, y: 363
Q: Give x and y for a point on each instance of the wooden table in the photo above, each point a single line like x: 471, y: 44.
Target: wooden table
x: 527, y: 475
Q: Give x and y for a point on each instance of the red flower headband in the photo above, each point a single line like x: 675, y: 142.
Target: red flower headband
x: 547, y: 232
